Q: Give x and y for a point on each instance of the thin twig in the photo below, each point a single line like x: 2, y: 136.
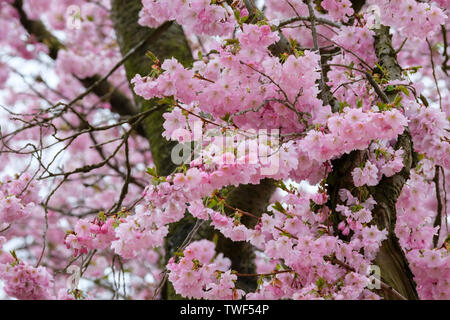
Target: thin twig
x: 434, y: 73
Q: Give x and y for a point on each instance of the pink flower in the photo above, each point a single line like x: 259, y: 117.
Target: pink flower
x: 366, y: 176
x: 22, y: 281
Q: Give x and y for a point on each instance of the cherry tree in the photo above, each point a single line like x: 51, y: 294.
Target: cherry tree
x: 207, y: 149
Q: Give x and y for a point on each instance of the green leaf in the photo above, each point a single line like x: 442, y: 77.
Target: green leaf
x: 212, y: 202
x: 414, y: 69
x: 280, y: 184
x: 167, y: 100
x: 359, y: 103
x: 237, y: 15
x: 424, y: 100
x: 152, y: 56
x: 152, y: 172
x: 299, y: 53
x: 231, y: 41
x: 277, y: 206
x: 286, y: 234
x: 215, y: 238
x: 380, y: 67
x: 382, y: 106
x: 13, y: 253
x: 226, y: 118
x: 403, y: 89
x: 237, y: 217
x: 260, y: 281
x: 342, y: 105
x: 398, y: 99
x: 179, y: 254
x: 320, y: 283
x: 356, y: 208
x: 390, y: 88
x: 101, y: 216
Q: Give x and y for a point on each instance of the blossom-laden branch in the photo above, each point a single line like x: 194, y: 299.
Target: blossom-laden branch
x: 333, y: 108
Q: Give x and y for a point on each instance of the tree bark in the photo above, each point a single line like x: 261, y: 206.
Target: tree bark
x: 172, y: 43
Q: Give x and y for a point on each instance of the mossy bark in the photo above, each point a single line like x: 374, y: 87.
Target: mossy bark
x: 172, y: 43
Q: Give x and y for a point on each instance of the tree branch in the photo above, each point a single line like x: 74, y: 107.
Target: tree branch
x: 438, y: 220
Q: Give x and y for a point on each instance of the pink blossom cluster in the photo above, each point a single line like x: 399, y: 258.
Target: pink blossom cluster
x: 183, y: 191
x: 138, y: 233
x: 79, y: 65
x: 416, y: 213
x: 382, y: 161
x: 301, y: 225
x: 355, y: 40
x: 295, y: 236
x: 18, y: 198
x: 230, y: 228
x: 410, y: 17
x: 342, y: 79
x: 358, y: 220
x: 355, y: 210
x: 25, y: 282
x: 235, y: 88
x: 338, y: 9
x: 10, y: 34
x: 198, y: 16
x: 444, y: 4
x: 352, y: 129
x: 303, y: 283
x: 429, y: 130
x: 267, y: 84
x: 416, y: 210
x: 280, y: 9
x: 198, y: 273
x: 387, y: 160
x: 368, y: 175
x: 87, y: 235
x: 172, y: 197
x: 12, y: 209
x: 431, y: 272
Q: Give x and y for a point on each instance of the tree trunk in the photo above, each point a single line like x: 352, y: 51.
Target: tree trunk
x: 172, y: 43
